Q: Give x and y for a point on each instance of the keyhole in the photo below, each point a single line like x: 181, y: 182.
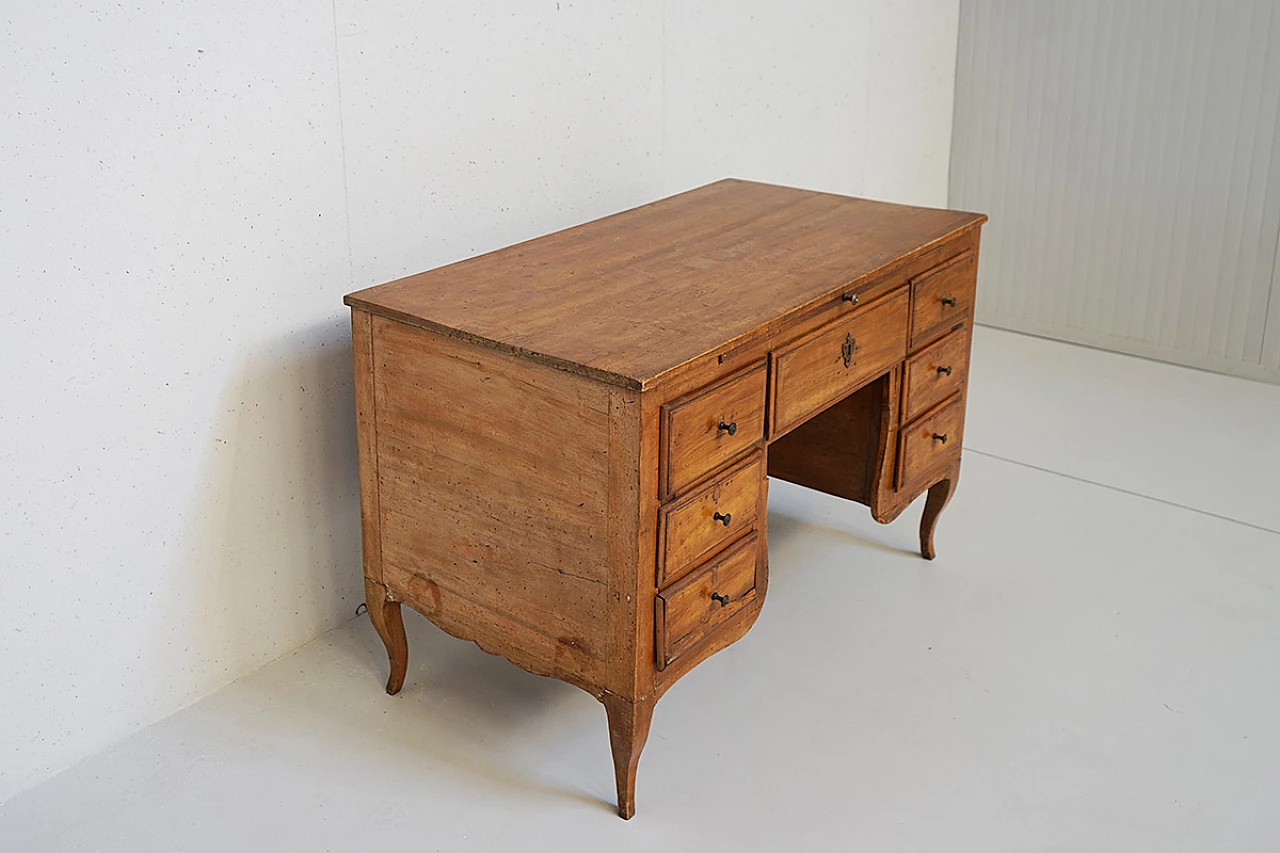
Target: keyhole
x: 847, y: 349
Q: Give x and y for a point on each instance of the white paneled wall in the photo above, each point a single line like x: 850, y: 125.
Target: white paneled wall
x: 1127, y: 154
x: 187, y: 189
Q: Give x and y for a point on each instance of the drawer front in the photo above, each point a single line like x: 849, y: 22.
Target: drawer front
x: 942, y: 297
x: 813, y: 372
x: 702, y: 523
x: 929, y: 442
x: 935, y: 374
x: 691, y: 609
x: 705, y: 429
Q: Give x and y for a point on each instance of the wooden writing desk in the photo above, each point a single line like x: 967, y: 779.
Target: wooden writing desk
x: 564, y: 444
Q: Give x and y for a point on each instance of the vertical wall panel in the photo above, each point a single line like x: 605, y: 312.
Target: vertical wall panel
x: 1126, y: 153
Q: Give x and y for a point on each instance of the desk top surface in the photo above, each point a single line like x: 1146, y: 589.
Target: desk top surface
x: 631, y: 296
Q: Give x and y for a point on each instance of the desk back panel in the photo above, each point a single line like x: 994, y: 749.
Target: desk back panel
x: 835, y: 451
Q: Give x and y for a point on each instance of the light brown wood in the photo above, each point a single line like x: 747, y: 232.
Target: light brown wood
x: 498, y: 633
x: 709, y: 518
x: 730, y: 629
x: 628, y: 730
x: 631, y: 296
x: 820, y: 368
x: 786, y: 328
x: 387, y: 621
x: 366, y: 443
x: 939, y: 495
x: 836, y: 450
x: 929, y: 443
x: 705, y: 429
x: 495, y: 478
x: 542, y: 456
x: 726, y: 634
x: 630, y: 537
x: 692, y: 608
x: 935, y: 374
x: 942, y: 297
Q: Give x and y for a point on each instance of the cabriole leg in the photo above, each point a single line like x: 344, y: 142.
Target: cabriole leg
x: 628, y: 730
x: 385, y: 616
x: 939, y: 494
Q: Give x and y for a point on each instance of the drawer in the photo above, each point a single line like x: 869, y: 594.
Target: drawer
x: 824, y: 366
x: 692, y: 608
x: 702, y: 523
x: 942, y: 297
x: 935, y: 374
x: 703, y: 430
x: 929, y: 442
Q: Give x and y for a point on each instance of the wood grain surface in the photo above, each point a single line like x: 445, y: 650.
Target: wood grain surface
x: 703, y: 430
x: 695, y: 606
x: 942, y: 297
x: 834, y: 361
x: 928, y: 443
x: 709, y: 518
x: 494, y: 476
x: 835, y: 451
x: 631, y: 296
x: 936, y: 373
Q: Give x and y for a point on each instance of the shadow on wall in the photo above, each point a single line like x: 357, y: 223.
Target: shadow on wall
x: 273, y: 559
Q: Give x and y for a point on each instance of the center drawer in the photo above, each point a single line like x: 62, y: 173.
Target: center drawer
x: 820, y: 368
x: 702, y: 523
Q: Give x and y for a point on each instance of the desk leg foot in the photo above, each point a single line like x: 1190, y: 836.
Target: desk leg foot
x: 939, y: 494
x: 387, y: 621
x: 628, y: 730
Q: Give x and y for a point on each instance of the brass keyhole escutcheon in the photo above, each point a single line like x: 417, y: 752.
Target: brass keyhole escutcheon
x: 847, y: 349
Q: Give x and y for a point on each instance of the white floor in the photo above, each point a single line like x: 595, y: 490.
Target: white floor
x: 1091, y: 664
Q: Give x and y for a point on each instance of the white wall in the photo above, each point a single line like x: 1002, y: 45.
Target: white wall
x: 188, y: 189
x: 1127, y: 154
x: 847, y: 97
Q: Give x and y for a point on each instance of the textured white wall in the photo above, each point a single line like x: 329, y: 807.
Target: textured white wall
x: 851, y: 97
x: 188, y: 189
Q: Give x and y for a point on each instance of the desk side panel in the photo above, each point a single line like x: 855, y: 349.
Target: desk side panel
x: 366, y: 443
x: 494, y: 499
